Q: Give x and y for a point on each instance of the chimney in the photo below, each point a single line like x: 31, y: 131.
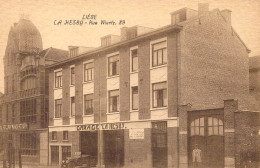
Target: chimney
x: 227, y: 15
x: 203, y: 8
x: 124, y: 33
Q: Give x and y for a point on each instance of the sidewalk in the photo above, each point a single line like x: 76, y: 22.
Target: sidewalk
x: 30, y: 166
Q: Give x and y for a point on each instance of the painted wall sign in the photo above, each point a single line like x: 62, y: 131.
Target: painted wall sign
x: 104, y: 126
x: 136, y: 133
x: 14, y: 127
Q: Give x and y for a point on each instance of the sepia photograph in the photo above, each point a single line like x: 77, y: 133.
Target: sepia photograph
x: 130, y: 84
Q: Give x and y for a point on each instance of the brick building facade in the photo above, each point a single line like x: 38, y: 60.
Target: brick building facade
x: 24, y: 106
x: 148, y: 97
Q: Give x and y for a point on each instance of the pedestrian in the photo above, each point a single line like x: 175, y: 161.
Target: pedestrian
x: 196, y: 157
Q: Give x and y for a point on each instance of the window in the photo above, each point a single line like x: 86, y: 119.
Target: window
x: 58, y: 79
x: 6, y: 85
x: 134, y: 58
x: 88, y: 72
x: 197, y: 127
x: 160, y: 94
x: 28, y: 111
x: 74, y: 52
x: 6, y: 114
x: 88, y: 100
x: 58, y: 106
x: 135, y: 98
x: 54, y: 135
x: 72, y: 106
x: 65, y: 135
x: 28, y: 83
x: 72, y: 75
x: 13, y: 113
x: 159, y: 54
x: 66, y: 152
x: 113, y: 65
x: 114, y: 101
x: 28, y: 143
x: 215, y: 126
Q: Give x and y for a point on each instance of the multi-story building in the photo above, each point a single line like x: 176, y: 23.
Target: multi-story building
x: 24, y: 115
x: 147, y: 97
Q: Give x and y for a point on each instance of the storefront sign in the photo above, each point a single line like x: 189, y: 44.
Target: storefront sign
x: 14, y: 127
x: 104, y: 126
x: 136, y: 133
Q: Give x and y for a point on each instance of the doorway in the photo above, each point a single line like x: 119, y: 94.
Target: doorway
x: 89, y: 144
x: 114, y: 148
x: 206, y: 131
x: 54, y: 155
x: 159, y: 144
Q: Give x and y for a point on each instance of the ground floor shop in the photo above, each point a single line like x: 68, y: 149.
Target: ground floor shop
x: 24, y: 146
x: 208, y: 138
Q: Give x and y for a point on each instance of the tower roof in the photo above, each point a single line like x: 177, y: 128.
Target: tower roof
x: 27, y: 36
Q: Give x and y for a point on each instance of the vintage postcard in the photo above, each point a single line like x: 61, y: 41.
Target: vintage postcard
x: 130, y: 84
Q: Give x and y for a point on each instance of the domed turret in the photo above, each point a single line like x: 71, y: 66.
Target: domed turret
x: 27, y: 37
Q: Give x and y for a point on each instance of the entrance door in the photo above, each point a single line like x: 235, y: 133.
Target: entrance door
x: 114, y: 148
x: 159, y: 144
x: 66, y: 152
x: 89, y: 144
x: 54, y: 155
x: 206, y: 132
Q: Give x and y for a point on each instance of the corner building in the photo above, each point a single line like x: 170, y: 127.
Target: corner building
x: 148, y: 96
x: 24, y: 105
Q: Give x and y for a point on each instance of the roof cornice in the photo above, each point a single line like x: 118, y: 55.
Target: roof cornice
x: 164, y: 29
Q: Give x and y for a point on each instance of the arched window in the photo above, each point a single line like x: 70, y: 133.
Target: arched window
x: 28, y: 83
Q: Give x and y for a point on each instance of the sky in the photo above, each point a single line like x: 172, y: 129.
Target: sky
x: 148, y: 13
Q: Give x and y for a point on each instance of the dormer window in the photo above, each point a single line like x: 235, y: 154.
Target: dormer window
x: 73, y: 52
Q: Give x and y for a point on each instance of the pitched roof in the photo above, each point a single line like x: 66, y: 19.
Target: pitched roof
x: 254, y: 62
x: 54, y: 54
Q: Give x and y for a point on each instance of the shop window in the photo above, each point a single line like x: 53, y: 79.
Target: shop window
x: 160, y: 98
x: 113, y: 101
x: 13, y: 113
x: 88, y: 101
x: 215, y: 126
x: 58, y: 108
x: 28, y: 143
x: 72, y: 75
x: 135, y: 98
x: 113, y: 65
x: 53, y: 135
x: 159, y: 54
x: 72, y: 106
x: 197, y: 127
x: 66, y: 152
x: 134, y: 57
x: 28, y: 111
x: 58, y: 79
x: 88, y: 72
x: 65, y: 135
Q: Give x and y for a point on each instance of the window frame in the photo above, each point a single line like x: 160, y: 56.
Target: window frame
x: 65, y: 135
x: 58, y: 79
x: 117, y: 98
x: 72, y: 76
x: 71, y: 107
x: 91, y: 102
x: 117, y: 64
x: 154, y: 42
x: 132, y: 59
x: 132, y: 98
x: 60, y: 112
x: 85, y: 71
x: 54, y: 135
x: 161, y: 90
